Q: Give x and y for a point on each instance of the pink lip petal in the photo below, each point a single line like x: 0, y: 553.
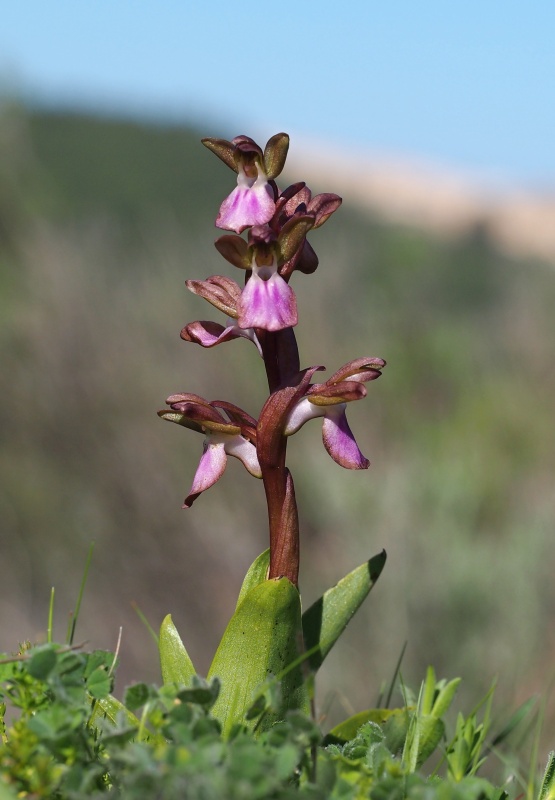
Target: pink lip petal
x: 339, y: 440
x: 210, y: 469
x: 213, y: 462
x: 269, y: 304
x: 250, y: 203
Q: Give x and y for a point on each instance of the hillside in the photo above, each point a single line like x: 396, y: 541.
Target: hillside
x: 519, y: 220
x: 101, y: 222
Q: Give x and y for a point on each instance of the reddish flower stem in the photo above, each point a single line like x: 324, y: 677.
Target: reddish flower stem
x: 281, y: 359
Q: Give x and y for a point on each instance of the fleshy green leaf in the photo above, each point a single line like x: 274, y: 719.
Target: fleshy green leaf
x: 175, y: 662
x: 260, y: 641
x: 256, y: 574
x: 328, y: 617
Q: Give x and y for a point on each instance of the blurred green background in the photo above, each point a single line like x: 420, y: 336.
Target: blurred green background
x: 101, y: 223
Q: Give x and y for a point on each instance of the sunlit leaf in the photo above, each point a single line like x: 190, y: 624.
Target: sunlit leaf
x: 175, y: 662
x: 261, y: 640
x: 257, y: 573
x: 328, y: 617
x: 111, y: 708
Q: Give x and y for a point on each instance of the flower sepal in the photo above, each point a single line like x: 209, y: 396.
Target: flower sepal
x: 221, y: 292
x: 210, y: 334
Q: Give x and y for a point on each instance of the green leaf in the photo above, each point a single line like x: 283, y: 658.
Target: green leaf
x: 110, y: 708
x: 99, y: 658
x: 349, y: 728
x: 423, y: 736
x: 176, y: 665
x: 136, y: 696
x: 42, y: 662
x: 547, y: 789
x: 261, y: 640
x: 445, y: 697
x: 99, y: 683
x: 256, y: 574
x: 328, y: 617
x: 428, y: 692
x: 396, y: 728
x: 516, y: 718
x: 430, y: 733
x: 201, y: 692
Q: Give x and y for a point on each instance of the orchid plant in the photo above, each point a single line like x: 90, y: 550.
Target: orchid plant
x: 267, y: 634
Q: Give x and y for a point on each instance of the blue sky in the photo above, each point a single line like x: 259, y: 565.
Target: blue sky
x: 467, y: 84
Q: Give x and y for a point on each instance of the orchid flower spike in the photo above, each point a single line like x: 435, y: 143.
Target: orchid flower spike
x: 329, y: 400
x: 231, y: 435
x: 252, y: 202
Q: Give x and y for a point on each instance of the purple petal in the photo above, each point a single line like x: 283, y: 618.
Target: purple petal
x: 247, y: 205
x: 210, y: 469
x: 339, y: 440
x: 269, y: 304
